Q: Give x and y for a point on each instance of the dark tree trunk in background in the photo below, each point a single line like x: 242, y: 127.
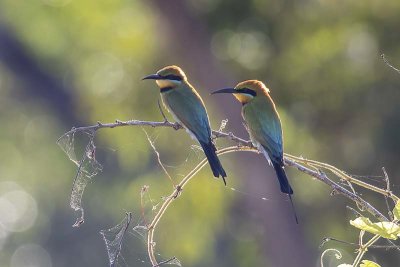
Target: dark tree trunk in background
x: 36, y: 83
x: 283, y: 240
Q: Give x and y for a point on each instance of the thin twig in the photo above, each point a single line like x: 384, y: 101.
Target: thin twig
x: 356, y: 213
x: 289, y: 160
x: 161, y: 110
x: 320, y: 176
x: 153, y: 124
x: 128, y: 222
x: 114, y: 246
x: 119, y: 123
x: 327, y: 239
x: 387, y: 182
x: 143, y: 191
x: 165, y: 262
x: 175, y: 193
x: 158, y: 157
x: 309, y: 167
x: 337, y: 188
x: 341, y: 174
x: 387, y: 63
x: 354, y: 192
x: 336, y: 252
x: 363, y: 249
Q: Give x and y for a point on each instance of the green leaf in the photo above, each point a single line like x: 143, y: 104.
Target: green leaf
x: 396, y: 211
x: 367, y: 263
x: 388, y: 230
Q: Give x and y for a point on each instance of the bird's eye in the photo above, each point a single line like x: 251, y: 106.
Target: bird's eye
x: 173, y: 77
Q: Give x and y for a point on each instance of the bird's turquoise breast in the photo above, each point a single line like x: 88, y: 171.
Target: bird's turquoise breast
x: 264, y: 125
x: 188, y: 109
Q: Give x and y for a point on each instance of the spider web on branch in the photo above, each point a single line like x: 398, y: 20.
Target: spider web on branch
x: 172, y: 261
x: 148, y: 205
x: 114, y: 237
x: 151, y: 142
x: 88, y: 167
x: 140, y: 231
x: 117, y: 243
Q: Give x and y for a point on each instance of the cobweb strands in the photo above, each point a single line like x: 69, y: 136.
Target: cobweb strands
x: 88, y: 167
x: 172, y: 261
x: 114, y: 237
x: 338, y: 180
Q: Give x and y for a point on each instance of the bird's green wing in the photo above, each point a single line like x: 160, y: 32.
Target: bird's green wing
x: 265, y: 126
x: 187, y: 106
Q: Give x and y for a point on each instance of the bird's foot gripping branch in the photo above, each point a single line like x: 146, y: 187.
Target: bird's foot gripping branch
x: 379, y: 226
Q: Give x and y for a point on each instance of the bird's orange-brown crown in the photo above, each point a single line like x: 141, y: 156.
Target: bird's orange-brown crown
x: 255, y: 85
x: 171, y: 71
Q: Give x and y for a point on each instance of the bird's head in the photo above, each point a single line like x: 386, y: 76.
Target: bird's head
x: 170, y: 76
x: 246, y: 91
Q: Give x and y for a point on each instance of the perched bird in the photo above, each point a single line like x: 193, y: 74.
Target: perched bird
x: 187, y: 108
x: 264, y: 125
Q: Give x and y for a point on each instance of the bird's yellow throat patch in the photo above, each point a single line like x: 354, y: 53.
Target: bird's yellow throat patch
x: 243, y: 98
x: 167, y: 83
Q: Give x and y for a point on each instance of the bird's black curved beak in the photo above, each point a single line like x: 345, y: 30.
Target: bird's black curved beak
x: 225, y: 91
x: 152, y: 77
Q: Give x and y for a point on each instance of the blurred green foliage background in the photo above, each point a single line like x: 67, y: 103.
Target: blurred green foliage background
x: 67, y: 63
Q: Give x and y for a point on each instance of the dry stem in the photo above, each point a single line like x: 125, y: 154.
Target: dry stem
x: 309, y: 167
x: 168, y: 200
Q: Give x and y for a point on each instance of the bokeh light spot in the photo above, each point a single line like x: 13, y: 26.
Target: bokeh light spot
x: 250, y: 49
x: 219, y: 44
x: 105, y: 72
x: 36, y: 130
x: 31, y: 255
x: 361, y: 49
x: 18, y: 210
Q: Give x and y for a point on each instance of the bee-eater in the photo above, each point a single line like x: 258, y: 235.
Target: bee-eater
x: 186, y: 106
x: 263, y: 123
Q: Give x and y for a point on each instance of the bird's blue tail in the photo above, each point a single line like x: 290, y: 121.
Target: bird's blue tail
x: 216, y: 167
x: 283, y: 180
x: 285, y: 186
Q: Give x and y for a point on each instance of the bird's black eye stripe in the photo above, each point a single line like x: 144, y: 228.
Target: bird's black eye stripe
x: 173, y: 77
x: 247, y: 91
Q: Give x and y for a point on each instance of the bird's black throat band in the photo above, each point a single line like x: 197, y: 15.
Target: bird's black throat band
x: 166, y: 89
